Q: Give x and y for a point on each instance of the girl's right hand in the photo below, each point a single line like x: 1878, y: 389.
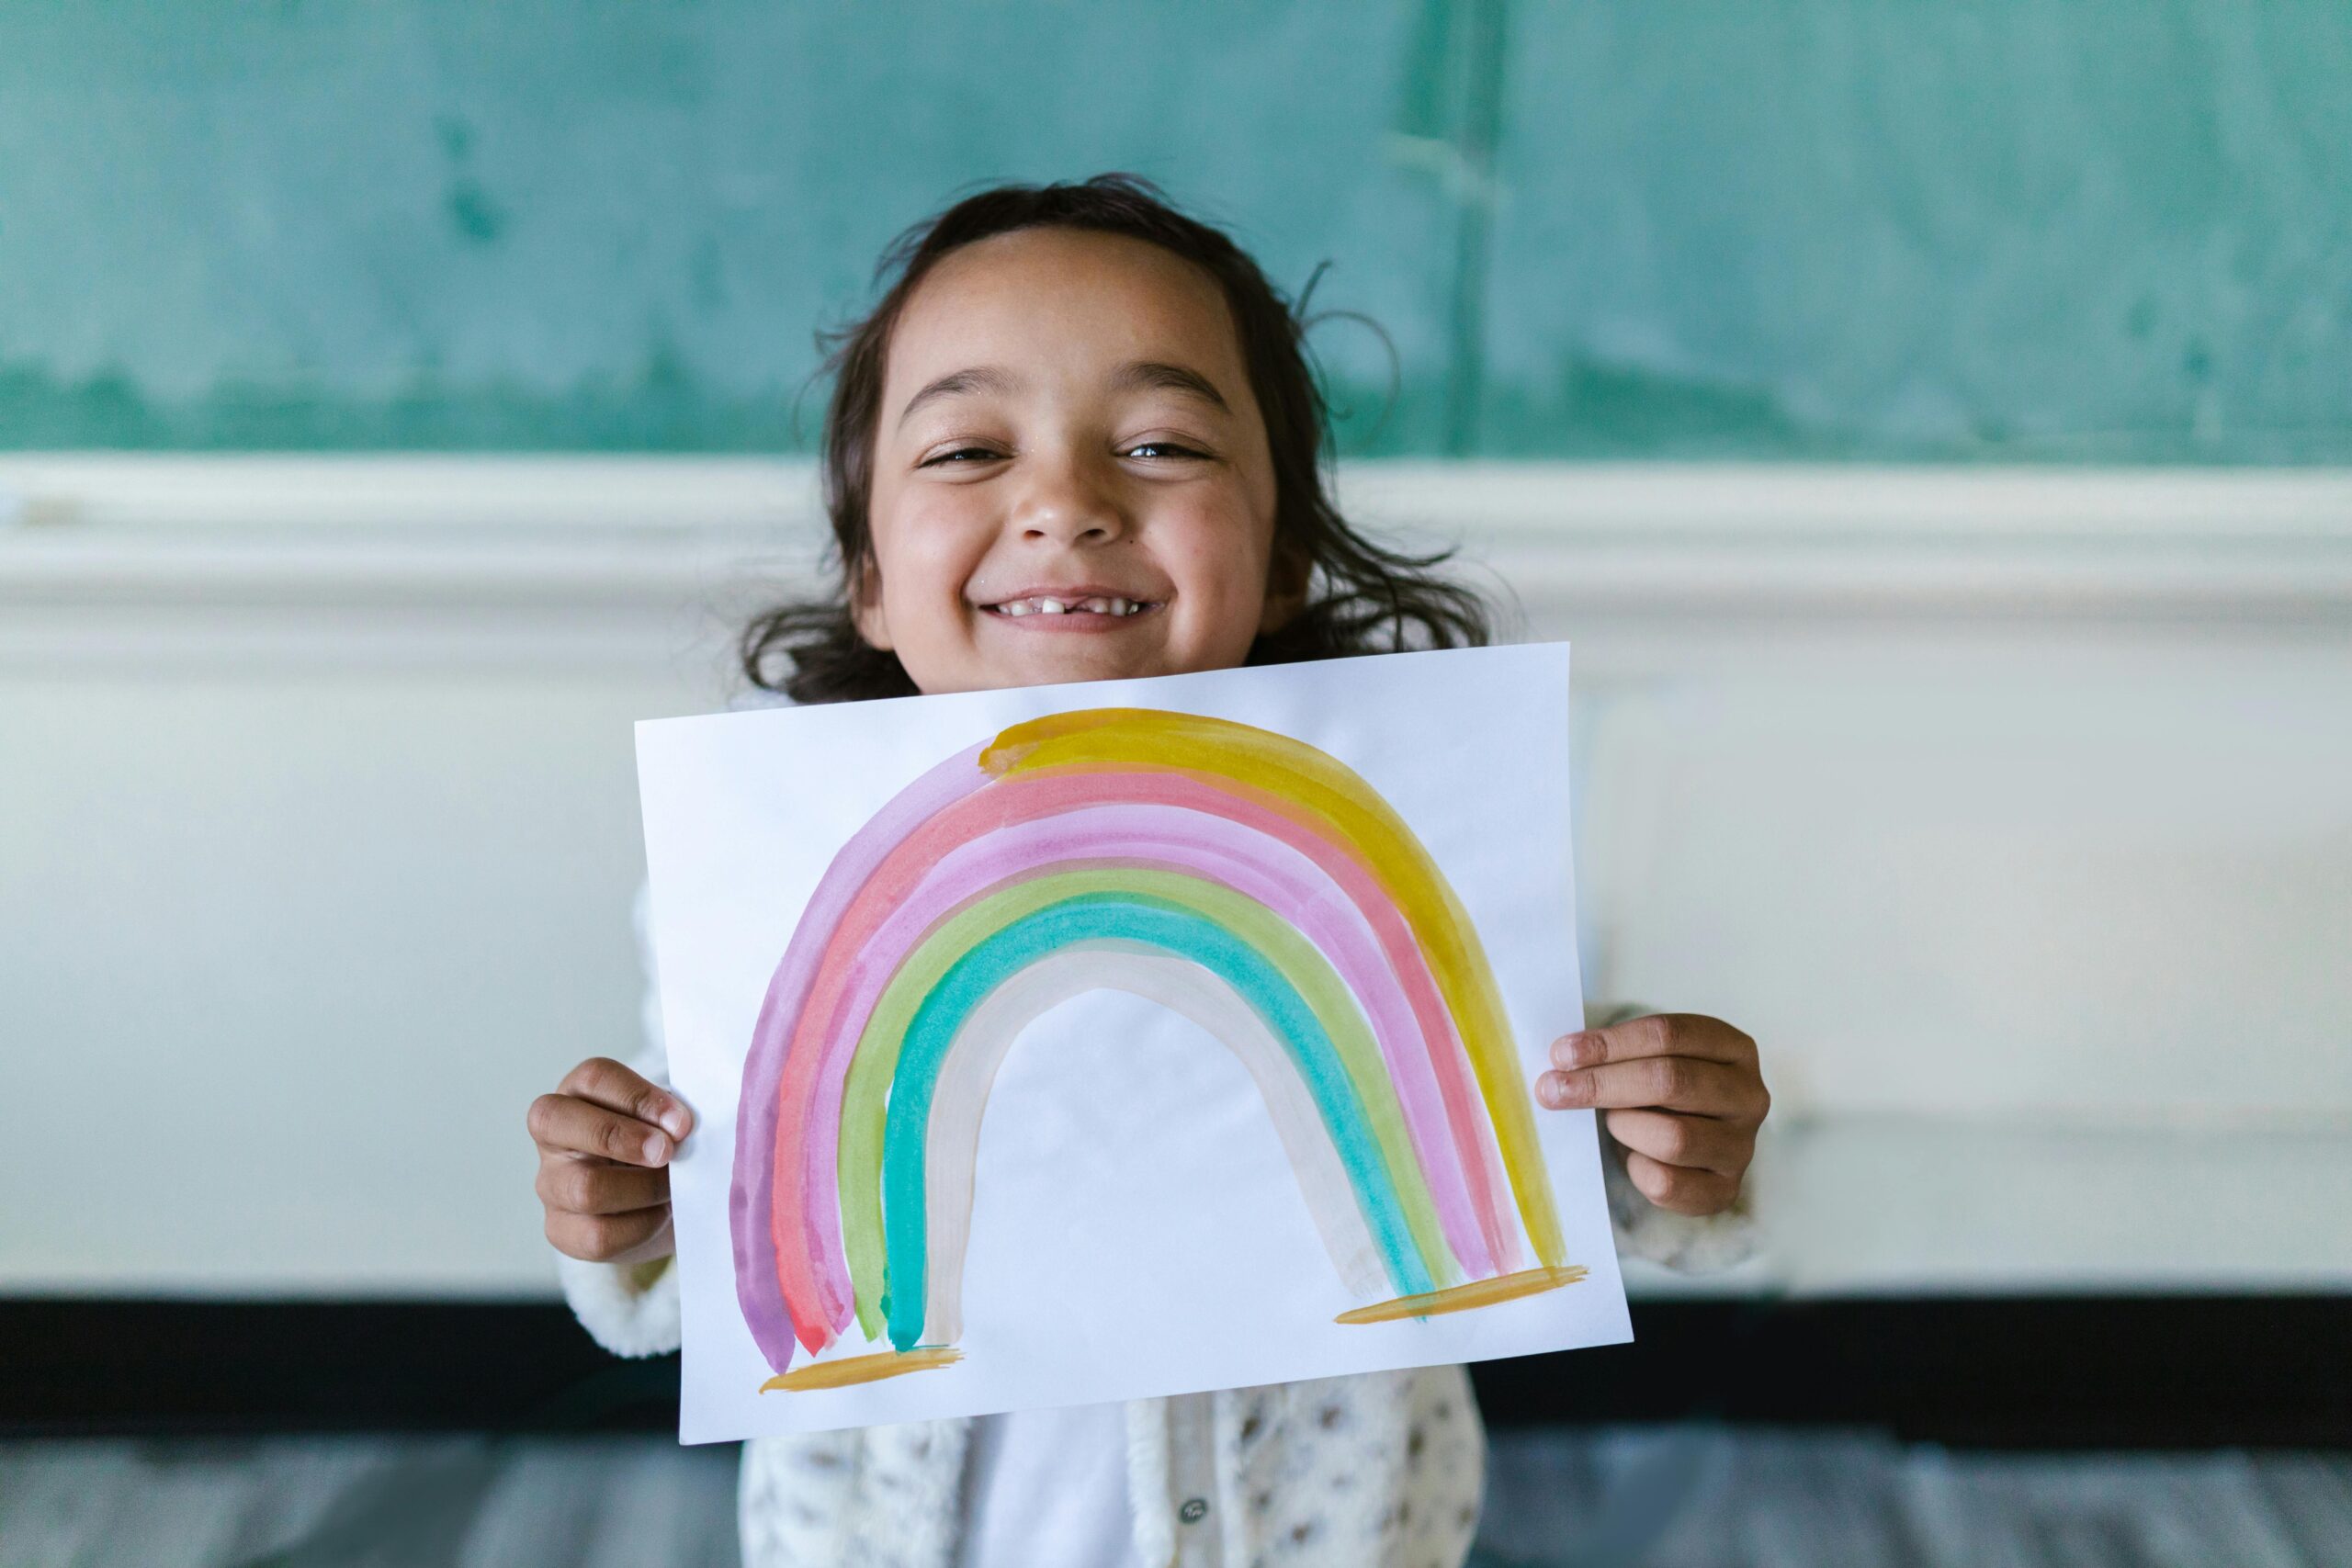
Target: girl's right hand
x: 605, y: 1136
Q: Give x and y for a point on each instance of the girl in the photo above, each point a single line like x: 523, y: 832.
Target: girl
x: 1078, y: 439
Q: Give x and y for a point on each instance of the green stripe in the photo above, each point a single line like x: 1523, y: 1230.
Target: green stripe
x: 1318, y: 1022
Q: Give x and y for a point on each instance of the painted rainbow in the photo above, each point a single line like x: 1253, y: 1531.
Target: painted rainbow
x: 1242, y: 878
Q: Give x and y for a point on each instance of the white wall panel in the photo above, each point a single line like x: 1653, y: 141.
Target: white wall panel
x: 2012, y: 813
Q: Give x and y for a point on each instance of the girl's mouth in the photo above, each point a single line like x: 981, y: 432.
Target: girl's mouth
x: 1071, y: 611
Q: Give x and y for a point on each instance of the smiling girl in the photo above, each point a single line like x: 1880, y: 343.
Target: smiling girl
x: 1078, y: 439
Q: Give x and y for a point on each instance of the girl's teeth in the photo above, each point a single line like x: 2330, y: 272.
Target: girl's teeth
x: 1042, y: 606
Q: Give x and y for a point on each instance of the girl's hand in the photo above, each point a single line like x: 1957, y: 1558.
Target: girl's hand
x: 1682, y: 1093
x: 605, y: 1137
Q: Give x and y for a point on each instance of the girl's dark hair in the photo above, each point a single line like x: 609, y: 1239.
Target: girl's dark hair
x: 1361, y: 597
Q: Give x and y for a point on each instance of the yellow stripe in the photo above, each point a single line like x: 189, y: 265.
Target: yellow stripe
x: 864, y: 1369
x: 1463, y: 1298
x: 1342, y: 805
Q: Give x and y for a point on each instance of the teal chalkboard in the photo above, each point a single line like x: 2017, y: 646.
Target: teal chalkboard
x: 2053, y: 230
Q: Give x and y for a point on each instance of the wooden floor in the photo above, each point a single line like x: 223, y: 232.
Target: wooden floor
x: 1685, y: 1497
x: 1630, y: 1498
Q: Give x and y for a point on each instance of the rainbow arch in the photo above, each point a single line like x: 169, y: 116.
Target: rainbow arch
x: 1238, y: 877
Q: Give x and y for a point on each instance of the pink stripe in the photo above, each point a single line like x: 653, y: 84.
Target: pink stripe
x: 1467, y: 1166
x: 1474, y: 1138
x: 1224, y: 850
x: 779, y: 1075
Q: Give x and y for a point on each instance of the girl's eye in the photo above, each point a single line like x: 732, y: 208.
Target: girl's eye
x: 1166, y: 449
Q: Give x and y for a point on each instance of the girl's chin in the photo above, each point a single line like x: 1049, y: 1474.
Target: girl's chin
x: 1024, y: 656
x: 1044, y: 659
x: 1087, y: 664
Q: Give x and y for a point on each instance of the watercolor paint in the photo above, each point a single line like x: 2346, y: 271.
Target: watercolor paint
x: 1242, y: 878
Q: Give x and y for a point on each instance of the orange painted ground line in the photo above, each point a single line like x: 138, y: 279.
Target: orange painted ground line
x: 865, y: 1368
x: 1462, y: 1298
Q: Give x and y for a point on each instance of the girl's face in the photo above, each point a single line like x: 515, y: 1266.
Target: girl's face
x: 1071, y: 478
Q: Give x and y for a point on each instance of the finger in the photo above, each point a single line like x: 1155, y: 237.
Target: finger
x: 585, y: 1186
x: 1695, y: 1142
x: 1659, y: 1034
x: 1679, y: 1188
x: 1668, y: 1083
x: 597, y: 1238
x: 602, y: 1081
x: 562, y: 1123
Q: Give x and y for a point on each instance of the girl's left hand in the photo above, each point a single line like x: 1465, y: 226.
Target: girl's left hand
x: 1682, y: 1093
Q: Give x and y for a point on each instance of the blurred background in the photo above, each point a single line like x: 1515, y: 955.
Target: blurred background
x: 1932, y: 426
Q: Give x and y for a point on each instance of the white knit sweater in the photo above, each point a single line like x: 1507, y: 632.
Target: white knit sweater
x: 1376, y: 1469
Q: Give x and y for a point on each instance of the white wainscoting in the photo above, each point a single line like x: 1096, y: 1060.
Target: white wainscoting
x: 2011, y: 810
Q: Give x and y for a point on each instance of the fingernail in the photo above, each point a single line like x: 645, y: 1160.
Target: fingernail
x: 1547, y: 1089
x: 1578, y: 1049
x: 672, y: 1117
x: 657, y: 1149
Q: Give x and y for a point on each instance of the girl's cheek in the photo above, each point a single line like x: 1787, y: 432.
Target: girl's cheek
x: 1229, y: 564
x: 936, y: 553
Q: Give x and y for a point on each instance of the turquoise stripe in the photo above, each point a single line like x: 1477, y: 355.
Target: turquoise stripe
x: 1153, y: 922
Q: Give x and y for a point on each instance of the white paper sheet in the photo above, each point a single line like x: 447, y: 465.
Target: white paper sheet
x: 1185, y: 1061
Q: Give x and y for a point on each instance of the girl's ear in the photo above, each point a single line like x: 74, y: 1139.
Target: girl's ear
x: 866, y: 606
x: 1287, y: 575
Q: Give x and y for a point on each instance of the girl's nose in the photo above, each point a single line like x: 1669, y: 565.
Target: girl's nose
x: 1063, y: 505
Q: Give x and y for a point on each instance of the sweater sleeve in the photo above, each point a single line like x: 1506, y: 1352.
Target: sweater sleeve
x: 631, y: 1309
